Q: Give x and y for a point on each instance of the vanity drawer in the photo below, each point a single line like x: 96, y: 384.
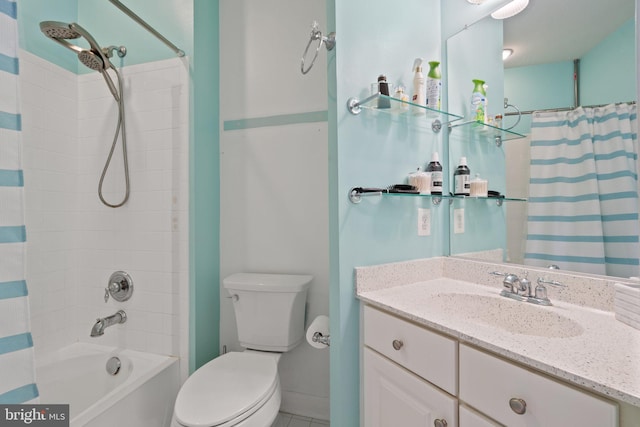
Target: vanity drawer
x: 427, y: 354
x: 491, y: 385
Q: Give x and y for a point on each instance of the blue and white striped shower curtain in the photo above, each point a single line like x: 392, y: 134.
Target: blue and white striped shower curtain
x: 17, y: 372
x: 583, y: 192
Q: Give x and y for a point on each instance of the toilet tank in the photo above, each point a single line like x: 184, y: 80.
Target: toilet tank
x: 270, y: 309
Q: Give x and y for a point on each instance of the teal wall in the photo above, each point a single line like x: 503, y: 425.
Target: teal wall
x: 608, y: 71
x: 31, y: 13
x: 607, y: 74
x: 374, y: 150
x: 204, y: 219
x: 109, y: 26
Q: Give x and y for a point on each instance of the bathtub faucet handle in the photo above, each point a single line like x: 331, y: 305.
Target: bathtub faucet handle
x: 113, y: 288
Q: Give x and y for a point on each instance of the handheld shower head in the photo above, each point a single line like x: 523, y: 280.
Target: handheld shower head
x: 60, y: 32
x: 91, y: 60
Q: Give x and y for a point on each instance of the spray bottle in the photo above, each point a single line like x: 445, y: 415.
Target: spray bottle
x: 418, y: 96
x: 434, y: 86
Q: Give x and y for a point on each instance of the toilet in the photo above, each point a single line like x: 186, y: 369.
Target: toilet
x: 242, y: 389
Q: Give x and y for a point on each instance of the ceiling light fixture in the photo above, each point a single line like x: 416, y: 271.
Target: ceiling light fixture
x: 506, y: 53
x: 510, y: 9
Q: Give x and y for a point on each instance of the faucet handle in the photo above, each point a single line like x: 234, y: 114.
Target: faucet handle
x: 541, y: 292
x: 543, y: 281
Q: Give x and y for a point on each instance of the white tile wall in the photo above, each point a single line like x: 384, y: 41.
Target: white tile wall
x: 74, y: 242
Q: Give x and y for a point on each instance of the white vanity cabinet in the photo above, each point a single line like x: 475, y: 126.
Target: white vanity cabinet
x: 414, y: 377
x: 515, y: 396
x: 404, y: 365
x: 394, y: 396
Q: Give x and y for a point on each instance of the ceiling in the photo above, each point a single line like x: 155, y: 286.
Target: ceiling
x: 562, y: 30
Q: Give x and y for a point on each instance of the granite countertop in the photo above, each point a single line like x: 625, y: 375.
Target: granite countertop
x: 602, y: 354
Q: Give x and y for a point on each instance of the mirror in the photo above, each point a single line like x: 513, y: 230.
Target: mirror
x: 573, y: 29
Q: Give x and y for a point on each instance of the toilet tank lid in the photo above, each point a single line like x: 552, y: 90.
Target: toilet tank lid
x: 267, y: 282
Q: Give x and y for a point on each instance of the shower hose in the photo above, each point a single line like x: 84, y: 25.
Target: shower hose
x: 120, y: 129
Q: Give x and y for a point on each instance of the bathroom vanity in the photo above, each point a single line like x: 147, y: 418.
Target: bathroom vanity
x: 444, y: 352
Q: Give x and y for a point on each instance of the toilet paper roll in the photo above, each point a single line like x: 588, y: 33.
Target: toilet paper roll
x: 319, y: 324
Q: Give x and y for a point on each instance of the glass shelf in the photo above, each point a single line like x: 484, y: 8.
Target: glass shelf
x: 486, y: 130
x: 356, y: 194
x: 404, y: 109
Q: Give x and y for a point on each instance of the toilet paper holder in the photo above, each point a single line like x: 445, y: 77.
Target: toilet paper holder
x: 322, y: 339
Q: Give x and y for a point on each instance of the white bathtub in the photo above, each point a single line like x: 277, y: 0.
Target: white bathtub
x: 142, y: 394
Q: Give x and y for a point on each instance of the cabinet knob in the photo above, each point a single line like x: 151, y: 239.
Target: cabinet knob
x: 397, y: 344
x: 519, y: 406
x: 440, y: 423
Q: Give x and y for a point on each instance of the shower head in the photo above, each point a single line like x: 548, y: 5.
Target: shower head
x: 60, y: 32
x: 91, y: 60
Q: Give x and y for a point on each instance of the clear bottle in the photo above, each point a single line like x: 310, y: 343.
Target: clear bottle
x: 462, y: 179
x: 401, y: 96
x: 435, y: 168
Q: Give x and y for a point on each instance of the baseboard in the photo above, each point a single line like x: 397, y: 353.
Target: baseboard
x: 305, y: 405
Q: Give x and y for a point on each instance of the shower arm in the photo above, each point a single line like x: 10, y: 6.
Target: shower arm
x: 146, y: 26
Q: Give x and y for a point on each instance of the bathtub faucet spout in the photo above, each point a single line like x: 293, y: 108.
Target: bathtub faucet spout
x: 103, y: 323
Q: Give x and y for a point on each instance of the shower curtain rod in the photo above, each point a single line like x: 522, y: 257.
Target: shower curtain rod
x: 576, y: 97
x: 148, y: 27
x: 555, y: 110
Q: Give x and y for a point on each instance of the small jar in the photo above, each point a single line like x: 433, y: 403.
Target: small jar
x: 403, y: 98
x: 478, y: 187
x: 421, y: 180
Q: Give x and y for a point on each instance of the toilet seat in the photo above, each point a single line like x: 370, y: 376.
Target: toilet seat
x: 226, y: 390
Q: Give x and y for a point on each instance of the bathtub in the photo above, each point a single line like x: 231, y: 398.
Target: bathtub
x: 141, y: 394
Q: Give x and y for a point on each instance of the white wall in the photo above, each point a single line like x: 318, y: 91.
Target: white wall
x: 274, y: 179
x: 74, y: 242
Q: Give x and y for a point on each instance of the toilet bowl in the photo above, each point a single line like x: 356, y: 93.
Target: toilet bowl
x: 239, y: 389
x: 242, y: 389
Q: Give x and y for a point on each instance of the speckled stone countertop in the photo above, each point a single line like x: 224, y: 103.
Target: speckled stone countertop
x: 600, y: 353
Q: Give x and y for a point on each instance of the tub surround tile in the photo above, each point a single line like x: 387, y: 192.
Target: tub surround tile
x: 603, y: 358
x: 75, y: 243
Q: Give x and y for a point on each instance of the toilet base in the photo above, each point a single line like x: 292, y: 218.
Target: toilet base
x: 263, y: 417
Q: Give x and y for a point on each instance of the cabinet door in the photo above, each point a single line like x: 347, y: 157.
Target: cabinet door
x: 394, y: 397
x: 517, y: 397
x: 426, y: 353
x: 470, y: 418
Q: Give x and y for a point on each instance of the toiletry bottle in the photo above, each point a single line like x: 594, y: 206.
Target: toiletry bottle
x: 434, y: 86
x: 419, y: 90
x: 461, y: 179
x: 436, y: 174
x: 478, y: 100
x: 402, y: 97
x: 383, y: 89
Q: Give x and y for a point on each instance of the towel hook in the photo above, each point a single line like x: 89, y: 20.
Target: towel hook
x: 507, y: 105
x: 329, y: 41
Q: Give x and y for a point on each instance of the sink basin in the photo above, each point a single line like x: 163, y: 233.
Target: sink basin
x: 513, y: 316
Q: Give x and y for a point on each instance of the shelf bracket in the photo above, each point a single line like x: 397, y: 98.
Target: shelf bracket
x: 356, y: 193
x: 354, y: 105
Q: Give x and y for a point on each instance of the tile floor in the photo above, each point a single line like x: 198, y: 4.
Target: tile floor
x: 289, y: 420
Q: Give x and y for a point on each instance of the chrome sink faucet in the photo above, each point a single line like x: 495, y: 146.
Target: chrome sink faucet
x: 521, y: 290
x: 103, y: 323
